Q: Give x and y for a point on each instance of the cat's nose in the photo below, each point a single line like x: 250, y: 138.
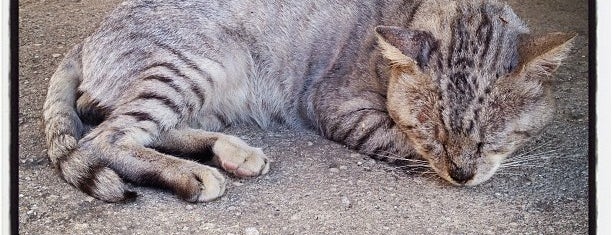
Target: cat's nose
x: 461, y: 175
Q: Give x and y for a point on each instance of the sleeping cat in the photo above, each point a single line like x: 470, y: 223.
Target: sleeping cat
x: 460, y: 84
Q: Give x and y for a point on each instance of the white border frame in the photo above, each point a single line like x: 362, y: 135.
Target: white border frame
x: 5, y: 177
x: 604, y: 111
x: 604, y: 140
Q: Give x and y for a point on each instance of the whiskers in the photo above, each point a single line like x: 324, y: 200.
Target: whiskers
x: 537, y: 154
x: 409, y: 166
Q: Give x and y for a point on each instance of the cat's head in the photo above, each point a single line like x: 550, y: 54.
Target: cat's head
x: 467, y: 102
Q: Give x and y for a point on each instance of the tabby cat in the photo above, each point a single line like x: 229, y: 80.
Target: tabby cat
x: 458, y: 83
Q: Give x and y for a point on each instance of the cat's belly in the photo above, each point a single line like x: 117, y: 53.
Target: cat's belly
x: 241, y: 105
x: 241, y: 93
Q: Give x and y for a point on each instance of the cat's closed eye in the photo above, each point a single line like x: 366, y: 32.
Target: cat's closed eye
x: 524, y: 134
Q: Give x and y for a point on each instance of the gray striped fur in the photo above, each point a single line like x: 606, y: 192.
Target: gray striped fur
x: 448, y: 81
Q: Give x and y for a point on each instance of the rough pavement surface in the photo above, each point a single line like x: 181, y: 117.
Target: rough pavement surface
x: 315, y: 186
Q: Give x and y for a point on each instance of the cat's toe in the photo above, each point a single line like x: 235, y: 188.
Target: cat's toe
x: 212, y: 184
x: 237, y: 157
x: 245, y: 163
x: 256, y: 163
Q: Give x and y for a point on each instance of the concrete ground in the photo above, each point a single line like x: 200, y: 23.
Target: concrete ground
x: 315, y: 186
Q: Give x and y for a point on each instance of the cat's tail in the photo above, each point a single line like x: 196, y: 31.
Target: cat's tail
x: 63, y: 129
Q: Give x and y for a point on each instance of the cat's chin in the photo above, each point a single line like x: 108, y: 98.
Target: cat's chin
x: 485, y: 171
x: 482, y: 176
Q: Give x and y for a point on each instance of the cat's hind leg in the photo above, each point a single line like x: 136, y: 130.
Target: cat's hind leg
x: 120, y: 145
x: 225, y: 151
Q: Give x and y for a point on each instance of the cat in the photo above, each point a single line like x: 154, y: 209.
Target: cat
x: 460, y: 84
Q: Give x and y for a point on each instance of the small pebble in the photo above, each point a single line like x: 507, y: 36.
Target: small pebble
x: 208, y: 225
x: 56, y: 55
x: 237, y: 183
x: 346, y: 202
x: 81, y: 226
x: 309, y: 143
x: 359, y: 163
x: 251, y: 231
x: 189, y: 207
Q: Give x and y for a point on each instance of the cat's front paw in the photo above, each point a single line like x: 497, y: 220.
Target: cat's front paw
x: 204, y: 184
x: 235, y: 156
x: 212, y: 184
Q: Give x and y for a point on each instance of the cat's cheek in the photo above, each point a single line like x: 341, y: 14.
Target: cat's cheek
x: 441, y: 170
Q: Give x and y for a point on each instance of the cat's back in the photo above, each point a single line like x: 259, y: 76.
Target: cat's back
x: 262, y: 50
x: 216, y: 34
x: 206, y: 14
x: 211, y: 28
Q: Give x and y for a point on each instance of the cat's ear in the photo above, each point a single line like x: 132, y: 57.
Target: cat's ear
x: 541, y: 55
x: 405, y: 46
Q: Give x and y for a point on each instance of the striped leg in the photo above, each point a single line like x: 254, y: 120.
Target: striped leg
x: 228, y: 152
x: 362, y: 123
x: 120, y: 144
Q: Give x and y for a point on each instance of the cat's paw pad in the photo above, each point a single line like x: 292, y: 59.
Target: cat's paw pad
x: 235, y: 156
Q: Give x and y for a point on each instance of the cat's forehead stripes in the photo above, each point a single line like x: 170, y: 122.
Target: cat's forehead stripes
x: 479, y: 48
